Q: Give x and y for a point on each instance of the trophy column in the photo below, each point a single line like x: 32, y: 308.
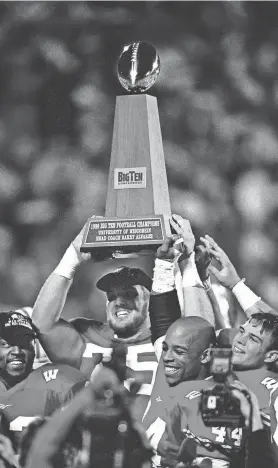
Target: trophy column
x: 137, y: 184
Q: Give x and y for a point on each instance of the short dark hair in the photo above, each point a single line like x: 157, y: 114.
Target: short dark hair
x: 269, y: 323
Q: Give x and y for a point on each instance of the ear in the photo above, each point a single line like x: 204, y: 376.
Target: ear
x: 271, y: 356
x: 206, y: 356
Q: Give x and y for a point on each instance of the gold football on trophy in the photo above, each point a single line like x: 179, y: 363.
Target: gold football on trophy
x: 138, y: 67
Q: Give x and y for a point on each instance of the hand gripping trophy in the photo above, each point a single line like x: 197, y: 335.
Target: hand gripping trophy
x: 137, y: 206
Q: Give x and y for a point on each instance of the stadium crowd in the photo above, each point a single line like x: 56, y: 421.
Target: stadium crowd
x: 160, y: 383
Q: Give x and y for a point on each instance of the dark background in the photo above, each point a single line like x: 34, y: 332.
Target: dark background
x: 218, y: 102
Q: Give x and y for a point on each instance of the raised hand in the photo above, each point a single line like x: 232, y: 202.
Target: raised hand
x: 183, y: 235
x: 181, y: 244
x: 77, y: 242
x: 227, y: 275
x: 203, y: 261
x: 167, y: 251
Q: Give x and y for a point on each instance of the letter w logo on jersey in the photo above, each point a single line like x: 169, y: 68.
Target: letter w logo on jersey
x: 50, y: 374
x: 192, y: 394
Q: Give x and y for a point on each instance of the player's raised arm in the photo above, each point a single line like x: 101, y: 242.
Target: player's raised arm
x: 229, y: 278
x: 192, y: 295
x: 61, y: 341
x: 164, y: 305
x: 203, y: 261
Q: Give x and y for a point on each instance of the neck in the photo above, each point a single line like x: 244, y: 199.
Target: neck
x: 10, y: 381
x: 142, y: 328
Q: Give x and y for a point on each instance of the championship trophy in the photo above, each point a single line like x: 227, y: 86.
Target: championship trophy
x: 137, y: 206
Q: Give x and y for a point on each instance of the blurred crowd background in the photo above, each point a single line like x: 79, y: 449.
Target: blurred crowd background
x: 218, y: 103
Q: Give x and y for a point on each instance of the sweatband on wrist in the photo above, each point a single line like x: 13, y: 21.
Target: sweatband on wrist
x: 68, y: 263
x: 246, y: 298
x: 163, y: 276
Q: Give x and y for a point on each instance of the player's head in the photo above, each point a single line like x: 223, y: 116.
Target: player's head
x: 17, y: 350
x: 128, y: 294
x: 185, y: 341
x: 256, y: 338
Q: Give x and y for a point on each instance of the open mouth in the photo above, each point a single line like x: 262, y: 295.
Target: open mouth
x: 170, y: 370
x: 237, y: 350
x: 122, y: 313
x: 16, y: 362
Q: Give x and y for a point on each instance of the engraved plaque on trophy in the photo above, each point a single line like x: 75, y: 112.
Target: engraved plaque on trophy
x: 137, y: 206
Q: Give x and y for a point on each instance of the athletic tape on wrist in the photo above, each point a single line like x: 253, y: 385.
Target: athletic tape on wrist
x: 68, y: 263
x: 245, y: 296
x: 163, y: 276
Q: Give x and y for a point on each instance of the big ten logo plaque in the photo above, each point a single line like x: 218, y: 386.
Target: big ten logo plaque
x: 137, y: 205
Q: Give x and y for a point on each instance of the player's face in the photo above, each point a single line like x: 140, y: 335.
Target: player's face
x: 127, y: 309
x: 250, y: 346
x: 16, y: 362
x: 181, y: 355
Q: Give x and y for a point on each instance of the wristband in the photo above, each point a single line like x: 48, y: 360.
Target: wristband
x: 246, y: 298
x: 163, y: 276
x: 68, y: 263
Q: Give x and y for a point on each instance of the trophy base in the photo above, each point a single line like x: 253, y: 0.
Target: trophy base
x: 123, y: 238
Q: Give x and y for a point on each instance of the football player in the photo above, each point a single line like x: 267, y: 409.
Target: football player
x: 254, y: 359
x: 40, y: 354
x: 45, y: 389
x: 258, y: 342
x: 182, y: 348
x: 82, y: 343
x: 25, y: 393
x: 17, y: 351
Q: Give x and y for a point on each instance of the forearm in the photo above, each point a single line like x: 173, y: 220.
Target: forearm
x: 164, y: 310
x: 219, y: 321
x: 164, y: 305
x: 247, y: 299
x: 50, y: 302
x: 192, y: 295
x: 52, y: 297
